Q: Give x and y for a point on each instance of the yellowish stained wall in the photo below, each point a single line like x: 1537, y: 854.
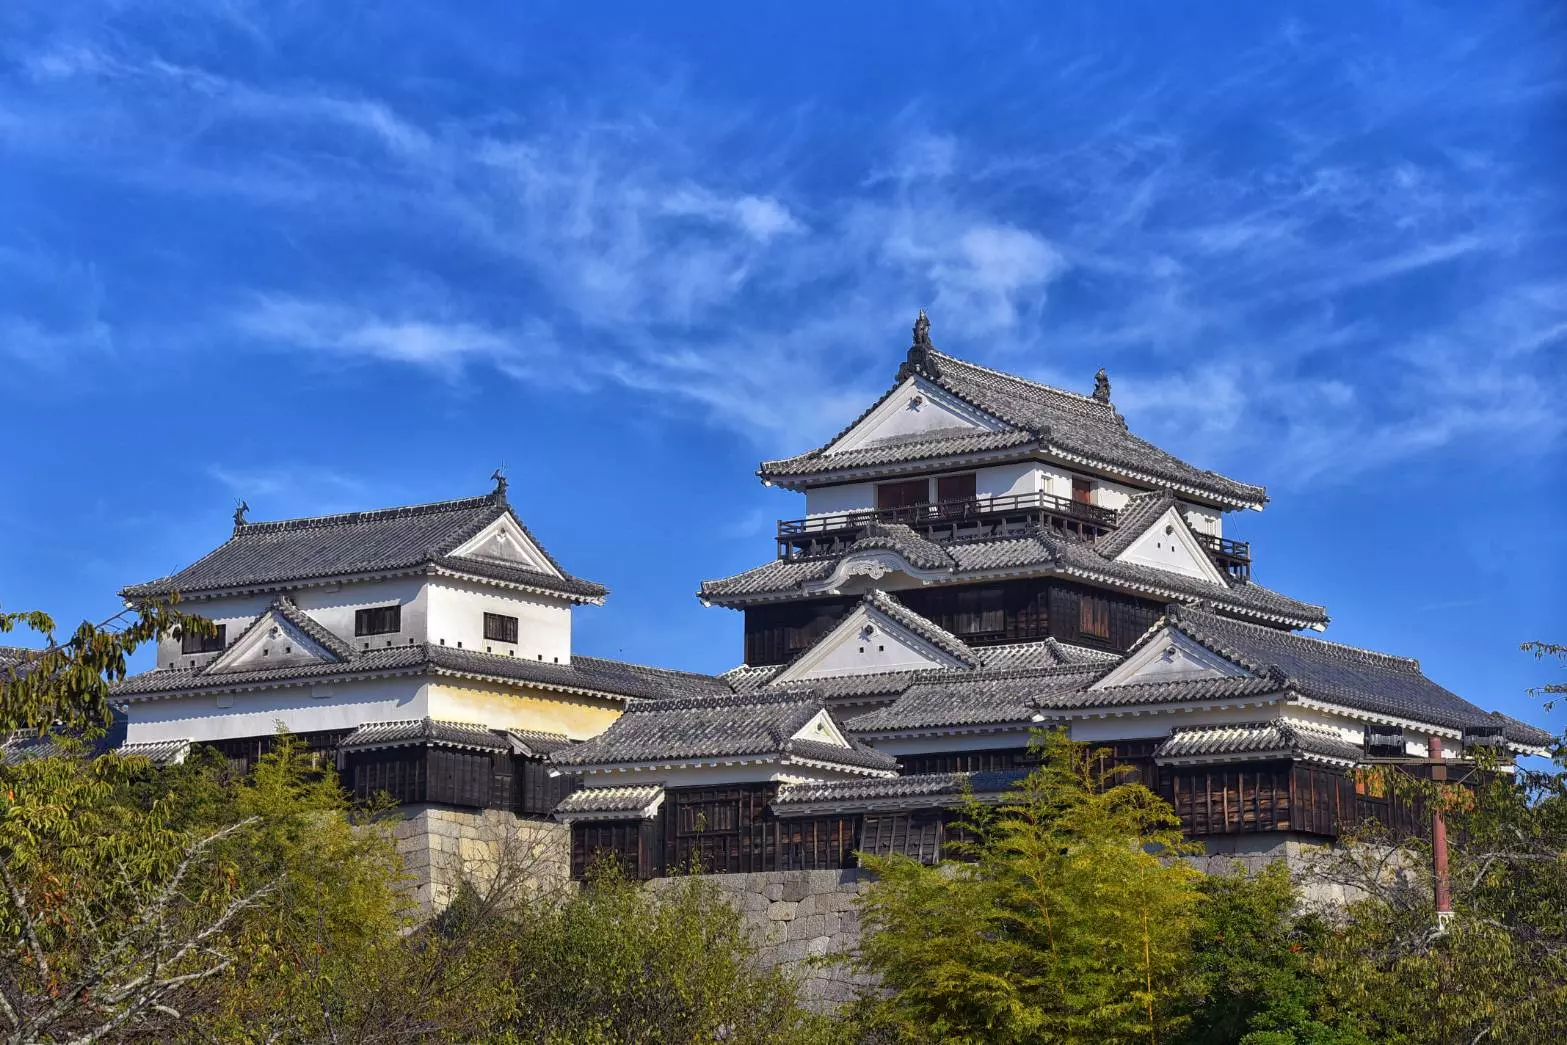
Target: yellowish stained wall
x: 522, y: 707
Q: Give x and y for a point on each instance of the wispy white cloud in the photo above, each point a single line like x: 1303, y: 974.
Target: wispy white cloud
x: 1254, y: 309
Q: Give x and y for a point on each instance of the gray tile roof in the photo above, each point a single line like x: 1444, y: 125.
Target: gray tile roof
x: 1040, y: 552
x: 916, y: 550
x: 533, y: 743
x: 158, y: 752
x: 608, y: 800
x: 588, y: 674
x: 1377, y: 683
x: 924, y: 785
x: 421, y: 732
x: 978, y: 698
x: 1051, y: 419
x: 391, y: 540
x: 1183, y: 691
x: 926, y: 629
x: 750, y: 725
x: 1133, y: 520
x: 1254, y: 740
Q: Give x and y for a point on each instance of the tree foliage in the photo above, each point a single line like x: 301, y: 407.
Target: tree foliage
x: 65, y: 685
x: 1066, y: 921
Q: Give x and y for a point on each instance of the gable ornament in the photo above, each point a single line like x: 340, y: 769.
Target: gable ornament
x: 239, y: 513
x: 1102, y: 386
x: 920, y: 360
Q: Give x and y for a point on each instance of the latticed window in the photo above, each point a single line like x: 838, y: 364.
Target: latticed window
x: 378, y: 620
x: 1094, y: 614
x: 191, y: 642
x: 500, y: 628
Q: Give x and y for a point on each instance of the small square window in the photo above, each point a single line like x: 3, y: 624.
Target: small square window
x: 500, y: 628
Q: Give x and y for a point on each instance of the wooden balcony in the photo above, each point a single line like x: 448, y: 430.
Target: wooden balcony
x: 1233, y: 557
x: 973, y: 517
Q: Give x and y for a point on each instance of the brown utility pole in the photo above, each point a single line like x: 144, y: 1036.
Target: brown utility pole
x: 1444, y: 885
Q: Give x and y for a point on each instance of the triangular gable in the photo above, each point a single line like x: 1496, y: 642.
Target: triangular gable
x: 273, y: 641
x: 914, y: 407
x: 865, y: 642
x: 1169, y: 544
x: 1169, y: 655
x: 822, y: 729
x: 505, y: 541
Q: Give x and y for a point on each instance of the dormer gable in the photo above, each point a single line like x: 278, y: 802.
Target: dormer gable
x: 915, y: 407
x: 878, y: 636
x: 1169, y: 655
x: 823, y: 730
x: 1168, y: 543
x: 505, y: 541
x: 282, y: 637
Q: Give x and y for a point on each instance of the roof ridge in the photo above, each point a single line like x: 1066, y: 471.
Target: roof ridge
x: 720, y: 700
x: 1087, y: 400
x: 1374, y: 656
x: 311, y: 522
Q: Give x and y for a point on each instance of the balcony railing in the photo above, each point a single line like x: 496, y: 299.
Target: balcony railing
x: 947, y: 521
x: 1231, y: 556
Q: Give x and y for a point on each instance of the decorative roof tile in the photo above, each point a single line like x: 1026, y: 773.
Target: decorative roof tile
x: 1279, y: 738
x: 390, y: 540
x: 1038, y: 417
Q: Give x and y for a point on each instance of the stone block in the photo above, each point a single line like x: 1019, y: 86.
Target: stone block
x: 774, y: 891
x: 807, y: 906
x: 781, y: 911
x: 818, y: 946
x: 815, y: 925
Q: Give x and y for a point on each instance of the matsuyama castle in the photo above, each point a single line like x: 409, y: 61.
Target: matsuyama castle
x: 978, y: 556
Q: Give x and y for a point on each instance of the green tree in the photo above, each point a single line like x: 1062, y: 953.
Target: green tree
x: 1253, y: 952
x: 65, y: 684
x: 1068, y: 921
x: 616, y: 964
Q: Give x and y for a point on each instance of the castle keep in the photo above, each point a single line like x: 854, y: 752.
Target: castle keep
x: 979, y: 556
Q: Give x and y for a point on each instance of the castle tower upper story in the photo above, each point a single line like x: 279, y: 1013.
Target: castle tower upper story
x: 1004, y: 509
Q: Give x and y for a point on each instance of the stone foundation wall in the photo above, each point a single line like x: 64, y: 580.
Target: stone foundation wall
x: 1299, y: 853
x: 800, y: 918
x: 441, y: 846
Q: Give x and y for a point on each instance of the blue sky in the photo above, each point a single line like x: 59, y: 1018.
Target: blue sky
x: 332, y: 256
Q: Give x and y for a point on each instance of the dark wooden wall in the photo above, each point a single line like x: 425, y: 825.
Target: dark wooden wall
x: 980, y: 614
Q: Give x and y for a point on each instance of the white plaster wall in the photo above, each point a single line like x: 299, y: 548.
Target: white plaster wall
x: 1055, y: 480
x: 342, y: 705
x: 1203, y: 519
x: 456, y: 616
x: 1002, y: 480
x: 1175, y: 551
x: 331, y: 606
x: 1109, y: 494
x: 334, y: 610
x: 834, y: 500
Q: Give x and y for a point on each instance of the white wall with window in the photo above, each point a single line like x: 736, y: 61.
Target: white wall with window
x: 458, y: 610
